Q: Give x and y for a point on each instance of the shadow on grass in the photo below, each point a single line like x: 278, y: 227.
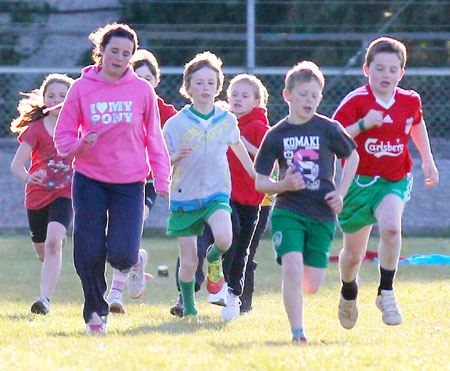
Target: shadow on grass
x: 249, y: 345
x: 173, y: 328
x: 19, y: 317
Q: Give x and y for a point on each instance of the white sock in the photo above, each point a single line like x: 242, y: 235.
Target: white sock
x: 119, y: 279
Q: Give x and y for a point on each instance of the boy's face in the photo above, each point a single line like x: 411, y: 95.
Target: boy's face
x: 303, y: 100
x: 384, y: 73
x: 203, y: 86
x: 242, y: 99
x: 145, y: 73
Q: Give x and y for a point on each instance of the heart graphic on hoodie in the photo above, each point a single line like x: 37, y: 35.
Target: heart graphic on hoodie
x: 102, y: 106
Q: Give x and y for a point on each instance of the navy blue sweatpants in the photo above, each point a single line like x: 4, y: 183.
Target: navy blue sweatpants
x: 108, y: 222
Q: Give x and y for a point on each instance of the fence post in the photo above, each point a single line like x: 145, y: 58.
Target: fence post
x: 250, y: 36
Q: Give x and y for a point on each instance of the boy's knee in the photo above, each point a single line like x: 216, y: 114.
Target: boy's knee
x: 310, y: 287
x: 189, y: 265
x: 291, y: 270
x: 389, y: 230
x: 223, y: 241
x: 352, y: 256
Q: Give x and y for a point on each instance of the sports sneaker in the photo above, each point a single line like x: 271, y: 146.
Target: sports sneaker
x: 96, y: 325
x: 387, y: 305
x: 191, y: 318
x: 348, y: 313
x: 41, y: 306
x: 221, y: 297
x: 136, y: 279
x: 214, y: 280
x: 177, y: 309
x: 299, y: 340
x: 231, y: 311
x: 115, y: 302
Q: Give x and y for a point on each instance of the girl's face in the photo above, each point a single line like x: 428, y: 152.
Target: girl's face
x: 115, y: 57
x: 145, y: 73
x: 385, y: 72
x: 203, y: 86
x: 303, y: 100
x: 242, y: 99
x: 55, y: 94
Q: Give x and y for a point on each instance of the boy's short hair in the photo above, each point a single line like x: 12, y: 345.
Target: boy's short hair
x: 386, y: 45
x: 304, y: 72
x: 259, y: 90
x: 143, y: 57
x: 205, y: 59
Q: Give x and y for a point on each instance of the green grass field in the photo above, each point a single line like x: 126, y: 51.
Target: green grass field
x: 148, y: 337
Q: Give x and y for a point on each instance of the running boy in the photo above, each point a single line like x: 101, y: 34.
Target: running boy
x: 198, y: 138
x: 381, y: 117
x: 305, y: 145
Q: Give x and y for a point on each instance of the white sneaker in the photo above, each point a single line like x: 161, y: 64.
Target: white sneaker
x: 219, y: 298
x: 136, y: 279
x: 96, y: 325
x: 115, y: 302
x: 232, y: 310
x: 387, y: 305
x: 348, y: 313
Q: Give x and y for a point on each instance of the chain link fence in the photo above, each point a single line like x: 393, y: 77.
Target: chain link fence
x: 432, y: 84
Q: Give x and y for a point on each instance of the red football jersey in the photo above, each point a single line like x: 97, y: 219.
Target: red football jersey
x: 383, y: 150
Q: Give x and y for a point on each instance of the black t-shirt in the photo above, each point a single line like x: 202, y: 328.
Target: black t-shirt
x: 312, y: 148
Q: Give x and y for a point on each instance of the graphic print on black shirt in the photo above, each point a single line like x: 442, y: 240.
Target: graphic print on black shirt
x: 312, y: 148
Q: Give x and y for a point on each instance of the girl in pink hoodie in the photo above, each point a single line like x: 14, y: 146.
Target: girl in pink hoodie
x: 110, y: 124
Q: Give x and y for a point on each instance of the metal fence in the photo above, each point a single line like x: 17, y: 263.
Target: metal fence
x: 432, y: 84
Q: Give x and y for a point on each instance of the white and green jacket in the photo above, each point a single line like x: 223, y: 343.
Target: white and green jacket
x: 204, y: 176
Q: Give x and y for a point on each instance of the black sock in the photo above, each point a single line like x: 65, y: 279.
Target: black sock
x: 386, y: 279
x: 349, y: 290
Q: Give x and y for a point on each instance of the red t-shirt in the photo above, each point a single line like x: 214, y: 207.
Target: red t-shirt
x: 383, y: 150
x: 44, y: 158
x: 253, y: 127
x: 166, y: 111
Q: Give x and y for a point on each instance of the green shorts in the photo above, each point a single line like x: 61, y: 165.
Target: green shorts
x: 293, y: 232
x: 364, y: 196
x: 192, y: 223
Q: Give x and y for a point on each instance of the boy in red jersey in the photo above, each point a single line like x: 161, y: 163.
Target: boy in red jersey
x: 381, y: 117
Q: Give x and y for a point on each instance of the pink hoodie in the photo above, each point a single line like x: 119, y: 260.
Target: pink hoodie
x: 125, y: 115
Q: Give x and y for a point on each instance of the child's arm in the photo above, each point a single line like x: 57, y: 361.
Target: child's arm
x: 335, y: 199
x: 18, y: 165
x: 372, y: 119
x: 292, y: 181
x: 250, y: 147
x: 242, y: 154
x: 419, y: 136
x: 184, y: 150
